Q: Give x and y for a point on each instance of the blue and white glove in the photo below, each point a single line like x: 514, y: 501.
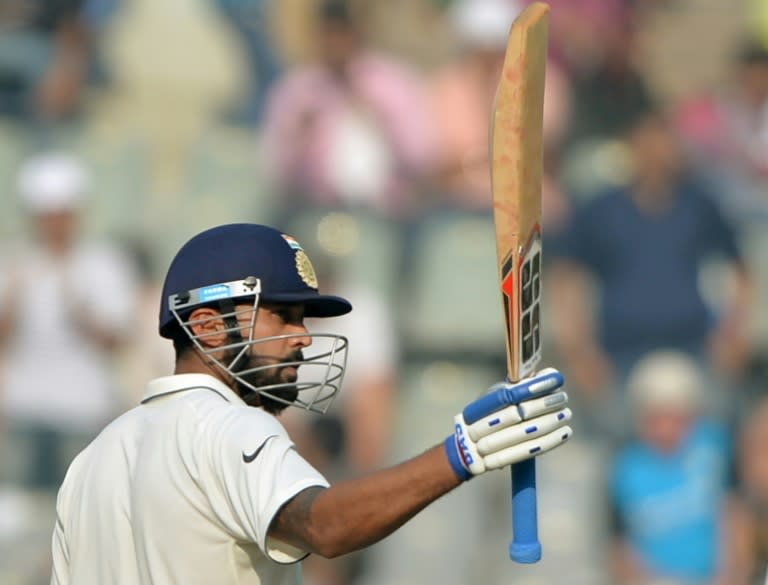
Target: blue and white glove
x: 510, y: 423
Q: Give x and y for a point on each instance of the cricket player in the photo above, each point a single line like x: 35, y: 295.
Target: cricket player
x: 201, y: 484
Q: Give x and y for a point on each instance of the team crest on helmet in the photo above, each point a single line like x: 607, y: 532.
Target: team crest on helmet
x: 305, y: 269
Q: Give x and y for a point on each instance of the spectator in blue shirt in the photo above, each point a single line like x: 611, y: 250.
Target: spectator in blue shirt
x: 668, y: 486
x: 643, y: 245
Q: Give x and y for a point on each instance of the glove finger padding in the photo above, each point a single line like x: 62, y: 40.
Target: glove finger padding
x: 514, y: 413
x: 528, y: 449
x: 494, y: 422
x: 522, y: 433
x: 539, y: 406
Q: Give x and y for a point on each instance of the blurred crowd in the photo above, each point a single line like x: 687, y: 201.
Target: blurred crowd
x: 361, y: 128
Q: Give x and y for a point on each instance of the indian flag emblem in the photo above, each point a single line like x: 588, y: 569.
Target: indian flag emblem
x: 292, y: 242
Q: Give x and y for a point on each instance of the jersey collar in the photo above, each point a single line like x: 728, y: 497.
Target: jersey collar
x: 184, y: 382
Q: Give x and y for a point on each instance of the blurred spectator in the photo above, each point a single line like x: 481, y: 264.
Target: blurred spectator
x: 643, y: 245
x: 752, y: 475
x: 67, y: 306
x: 251, y: 21
x: 727, y: 132
x: 595, y: 42
x: 45, y: 56
x: 581, y: 31
x: 352, y: 128
x: 668, y: 485
x: 462, y: 94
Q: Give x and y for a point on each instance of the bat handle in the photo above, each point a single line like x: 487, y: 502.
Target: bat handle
x: 525, y: 546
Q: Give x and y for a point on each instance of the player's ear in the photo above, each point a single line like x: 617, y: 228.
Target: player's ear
x: 207, y: 325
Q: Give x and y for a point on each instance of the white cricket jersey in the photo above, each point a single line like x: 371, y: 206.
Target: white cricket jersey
x: 181, y: 489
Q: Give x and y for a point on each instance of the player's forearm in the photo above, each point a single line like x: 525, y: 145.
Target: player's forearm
x: 357, y: 513
x: 506, y: 425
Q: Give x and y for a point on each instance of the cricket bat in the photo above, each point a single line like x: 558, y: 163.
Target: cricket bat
x: 516, y: 156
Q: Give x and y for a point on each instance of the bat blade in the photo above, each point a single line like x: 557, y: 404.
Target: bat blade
x: 516, y: 145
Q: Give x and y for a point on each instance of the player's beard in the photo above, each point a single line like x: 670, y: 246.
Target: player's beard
x: 279, y: 373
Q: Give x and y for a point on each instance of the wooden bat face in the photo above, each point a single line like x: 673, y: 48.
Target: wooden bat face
x: 516, y: 169
x: 521, y: 292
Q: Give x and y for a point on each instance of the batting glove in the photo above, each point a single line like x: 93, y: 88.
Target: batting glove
x: 510, y: 423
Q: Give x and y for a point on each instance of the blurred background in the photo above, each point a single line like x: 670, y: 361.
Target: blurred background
x: 360, y: 128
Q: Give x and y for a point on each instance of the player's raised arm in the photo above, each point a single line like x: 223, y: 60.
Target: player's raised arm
x: 510, y: 423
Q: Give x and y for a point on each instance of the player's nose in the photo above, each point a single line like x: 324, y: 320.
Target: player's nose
x: 300, y: 337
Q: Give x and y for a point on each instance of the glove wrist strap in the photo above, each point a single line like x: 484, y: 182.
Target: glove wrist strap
x: 454, y: 458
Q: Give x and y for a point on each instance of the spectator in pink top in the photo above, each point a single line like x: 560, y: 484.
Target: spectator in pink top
x: 462, y: 93
x: 352, y: 128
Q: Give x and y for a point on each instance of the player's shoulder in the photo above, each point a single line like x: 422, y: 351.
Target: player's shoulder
x: 118, y: 435
x: 219, y: 432
x: 218, y: 419
x: 113, y: 438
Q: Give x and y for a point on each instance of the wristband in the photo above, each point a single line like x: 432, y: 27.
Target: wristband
x: 454, y: 458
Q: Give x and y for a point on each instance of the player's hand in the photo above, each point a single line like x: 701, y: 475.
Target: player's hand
x: 510, y: 423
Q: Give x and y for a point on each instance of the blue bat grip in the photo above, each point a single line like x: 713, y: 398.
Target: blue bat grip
x: 525, y: 546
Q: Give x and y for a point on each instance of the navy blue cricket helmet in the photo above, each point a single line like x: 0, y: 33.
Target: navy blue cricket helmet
x: 237, y: 251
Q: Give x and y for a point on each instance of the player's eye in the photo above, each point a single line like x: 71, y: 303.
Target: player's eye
x: 290, y: 315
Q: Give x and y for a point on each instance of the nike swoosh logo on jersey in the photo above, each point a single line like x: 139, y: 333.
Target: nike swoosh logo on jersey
x: 252, y: 456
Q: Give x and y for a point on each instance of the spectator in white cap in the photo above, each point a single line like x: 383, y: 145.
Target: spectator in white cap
x: 65, y: 306
x: 669, y: 486
x: 53, y: 182
x: 666, y: 395
x: 52, y: 188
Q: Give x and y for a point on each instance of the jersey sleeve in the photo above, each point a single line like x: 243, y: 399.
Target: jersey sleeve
x: 60, y: 546
x: 255, y: 470
x: 60, y: 570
